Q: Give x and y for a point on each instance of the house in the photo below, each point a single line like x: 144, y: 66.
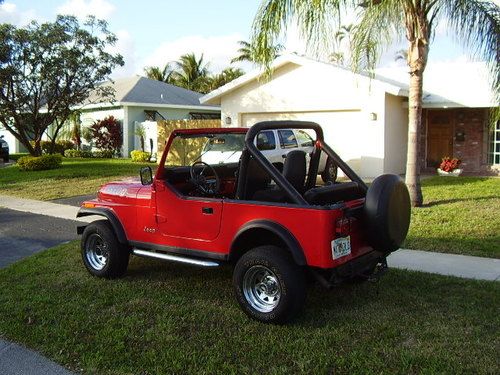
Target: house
x: 365, y: 119
x: 136, y: 100
x: 139, y: 99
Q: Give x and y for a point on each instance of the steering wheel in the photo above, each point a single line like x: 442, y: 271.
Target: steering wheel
x: 205, y: 178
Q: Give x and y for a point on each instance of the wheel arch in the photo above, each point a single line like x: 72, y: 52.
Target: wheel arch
x: 264, y: 232
x: 109, y: 215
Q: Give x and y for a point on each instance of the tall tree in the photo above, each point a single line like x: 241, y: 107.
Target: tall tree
x: 191, y: 72
x: 46, y: 70
x: 224, y: 77
x: 251, y: 53
x: 159, y: 74
x: 475, y: 23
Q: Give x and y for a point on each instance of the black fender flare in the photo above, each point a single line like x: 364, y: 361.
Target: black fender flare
x: 277, y: 229
x: 108, y: 214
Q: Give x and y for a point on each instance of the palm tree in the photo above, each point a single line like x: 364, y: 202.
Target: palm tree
x: 224, y: 77
x: 476, y: 23
x: 249, y: 52
x: 163, y: 75
x: 190, y: 72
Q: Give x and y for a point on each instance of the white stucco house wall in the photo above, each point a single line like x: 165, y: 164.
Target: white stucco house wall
x: 365, y: 119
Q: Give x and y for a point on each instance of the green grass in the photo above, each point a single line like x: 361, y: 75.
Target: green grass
x: 167, y: 318
x: 75, y: 177
x: 460, y: 215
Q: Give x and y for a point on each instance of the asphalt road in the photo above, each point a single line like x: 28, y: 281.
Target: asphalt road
x: 23, y: 234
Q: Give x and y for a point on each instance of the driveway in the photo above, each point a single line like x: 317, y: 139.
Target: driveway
x: 23, y: 234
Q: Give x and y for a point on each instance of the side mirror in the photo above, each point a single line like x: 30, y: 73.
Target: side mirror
x: 146, y: 175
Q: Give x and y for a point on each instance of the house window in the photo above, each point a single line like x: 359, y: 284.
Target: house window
x: 150, y: 115
x: 495, y: 145
x: 204, y: 116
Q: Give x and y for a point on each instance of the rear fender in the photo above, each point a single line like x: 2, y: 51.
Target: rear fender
x: 265, y: 232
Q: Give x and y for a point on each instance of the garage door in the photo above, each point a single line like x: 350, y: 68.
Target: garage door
x: 347, y: 132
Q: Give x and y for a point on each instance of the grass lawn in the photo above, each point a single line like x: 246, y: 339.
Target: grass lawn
x: 168, y: 318
x: 460, y: 215
x: 75, y: 177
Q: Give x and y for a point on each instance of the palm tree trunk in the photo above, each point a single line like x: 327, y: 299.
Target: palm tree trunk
x: 414, y: 127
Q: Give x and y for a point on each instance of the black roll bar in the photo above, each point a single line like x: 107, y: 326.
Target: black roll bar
x: 274, y: 173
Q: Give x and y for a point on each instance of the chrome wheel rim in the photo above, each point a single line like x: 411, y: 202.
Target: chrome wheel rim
x: 261, y: 289
x: 96, y: 252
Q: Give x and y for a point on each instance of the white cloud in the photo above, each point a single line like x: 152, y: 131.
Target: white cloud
x: 102, y: 9
x: 10, y: 14
x: 217, y: 50
x: 125, y: 46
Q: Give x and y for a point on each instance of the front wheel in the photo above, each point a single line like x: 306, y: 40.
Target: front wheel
x: 269, y: 286
x: 102, y: 254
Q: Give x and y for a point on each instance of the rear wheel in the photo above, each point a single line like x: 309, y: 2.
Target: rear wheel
x: 6, y: 159
x: 269, y: 286
x: 330, y: 172
x: 102, y: 254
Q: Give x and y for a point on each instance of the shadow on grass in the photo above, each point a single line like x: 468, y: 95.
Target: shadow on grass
x: 456, y: 200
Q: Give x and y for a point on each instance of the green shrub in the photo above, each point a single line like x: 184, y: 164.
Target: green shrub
x: 103, y: 154
x: 39, y: 163
x: 60, y: 147
x: 16, y: 157
x: 77, y: 154
x: 139, y: 156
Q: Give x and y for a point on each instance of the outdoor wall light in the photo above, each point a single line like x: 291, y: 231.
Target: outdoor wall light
x: 373, y: 116
x: 228, y: 120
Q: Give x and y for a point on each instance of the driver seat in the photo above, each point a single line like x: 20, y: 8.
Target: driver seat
x: 294, y: 170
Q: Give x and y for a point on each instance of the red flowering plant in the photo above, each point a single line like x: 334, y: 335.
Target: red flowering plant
x: 449, y: 164
x: 107, y: 134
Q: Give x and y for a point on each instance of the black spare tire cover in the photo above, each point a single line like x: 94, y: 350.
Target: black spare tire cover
x: 387, y: 212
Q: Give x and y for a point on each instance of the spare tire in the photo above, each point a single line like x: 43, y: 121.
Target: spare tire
x: 387, y: 213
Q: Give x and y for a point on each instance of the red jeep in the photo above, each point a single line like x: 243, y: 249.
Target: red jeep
x: 274, y: 223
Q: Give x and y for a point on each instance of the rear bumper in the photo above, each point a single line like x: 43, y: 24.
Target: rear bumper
x: 362, y: 265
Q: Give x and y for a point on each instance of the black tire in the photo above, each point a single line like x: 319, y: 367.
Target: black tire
x: 285, y: 289
x: 387, y: 213
x: 102, y: 254
x: 331, y: 171
x: 6, y: 159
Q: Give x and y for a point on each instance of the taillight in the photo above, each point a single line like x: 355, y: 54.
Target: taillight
x: 343, y: 226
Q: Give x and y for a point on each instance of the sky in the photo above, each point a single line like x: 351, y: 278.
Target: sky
x: 152, y: 33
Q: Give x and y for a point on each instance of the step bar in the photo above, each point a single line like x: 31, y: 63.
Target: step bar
x: 174, y: 258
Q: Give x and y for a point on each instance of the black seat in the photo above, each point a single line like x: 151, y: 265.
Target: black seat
x: 256, y: 178
x: 294, y: 170
x: 334, y: 193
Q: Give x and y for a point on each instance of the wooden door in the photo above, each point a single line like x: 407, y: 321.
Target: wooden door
x: 439, y: 136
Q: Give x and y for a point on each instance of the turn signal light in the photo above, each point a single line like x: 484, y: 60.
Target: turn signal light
x: 89, y: 205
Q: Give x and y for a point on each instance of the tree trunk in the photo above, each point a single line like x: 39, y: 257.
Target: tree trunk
x: 417, y: 59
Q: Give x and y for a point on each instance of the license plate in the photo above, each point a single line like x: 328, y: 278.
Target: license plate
x: 341, y: 247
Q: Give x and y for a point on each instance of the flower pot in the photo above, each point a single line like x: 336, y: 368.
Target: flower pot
x: 455, y: 173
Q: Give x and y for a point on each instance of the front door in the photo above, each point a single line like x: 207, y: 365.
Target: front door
x: 439, y: 136
x: 192, y: 218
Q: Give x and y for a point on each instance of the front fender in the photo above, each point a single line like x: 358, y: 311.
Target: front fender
x: 108, y: 214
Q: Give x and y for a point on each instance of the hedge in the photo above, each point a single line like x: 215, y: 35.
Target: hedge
x: 39, y: 163
x: 139, y: 156
x: 17, y: 156
x: 105, y: 154
x: 60, y: 146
